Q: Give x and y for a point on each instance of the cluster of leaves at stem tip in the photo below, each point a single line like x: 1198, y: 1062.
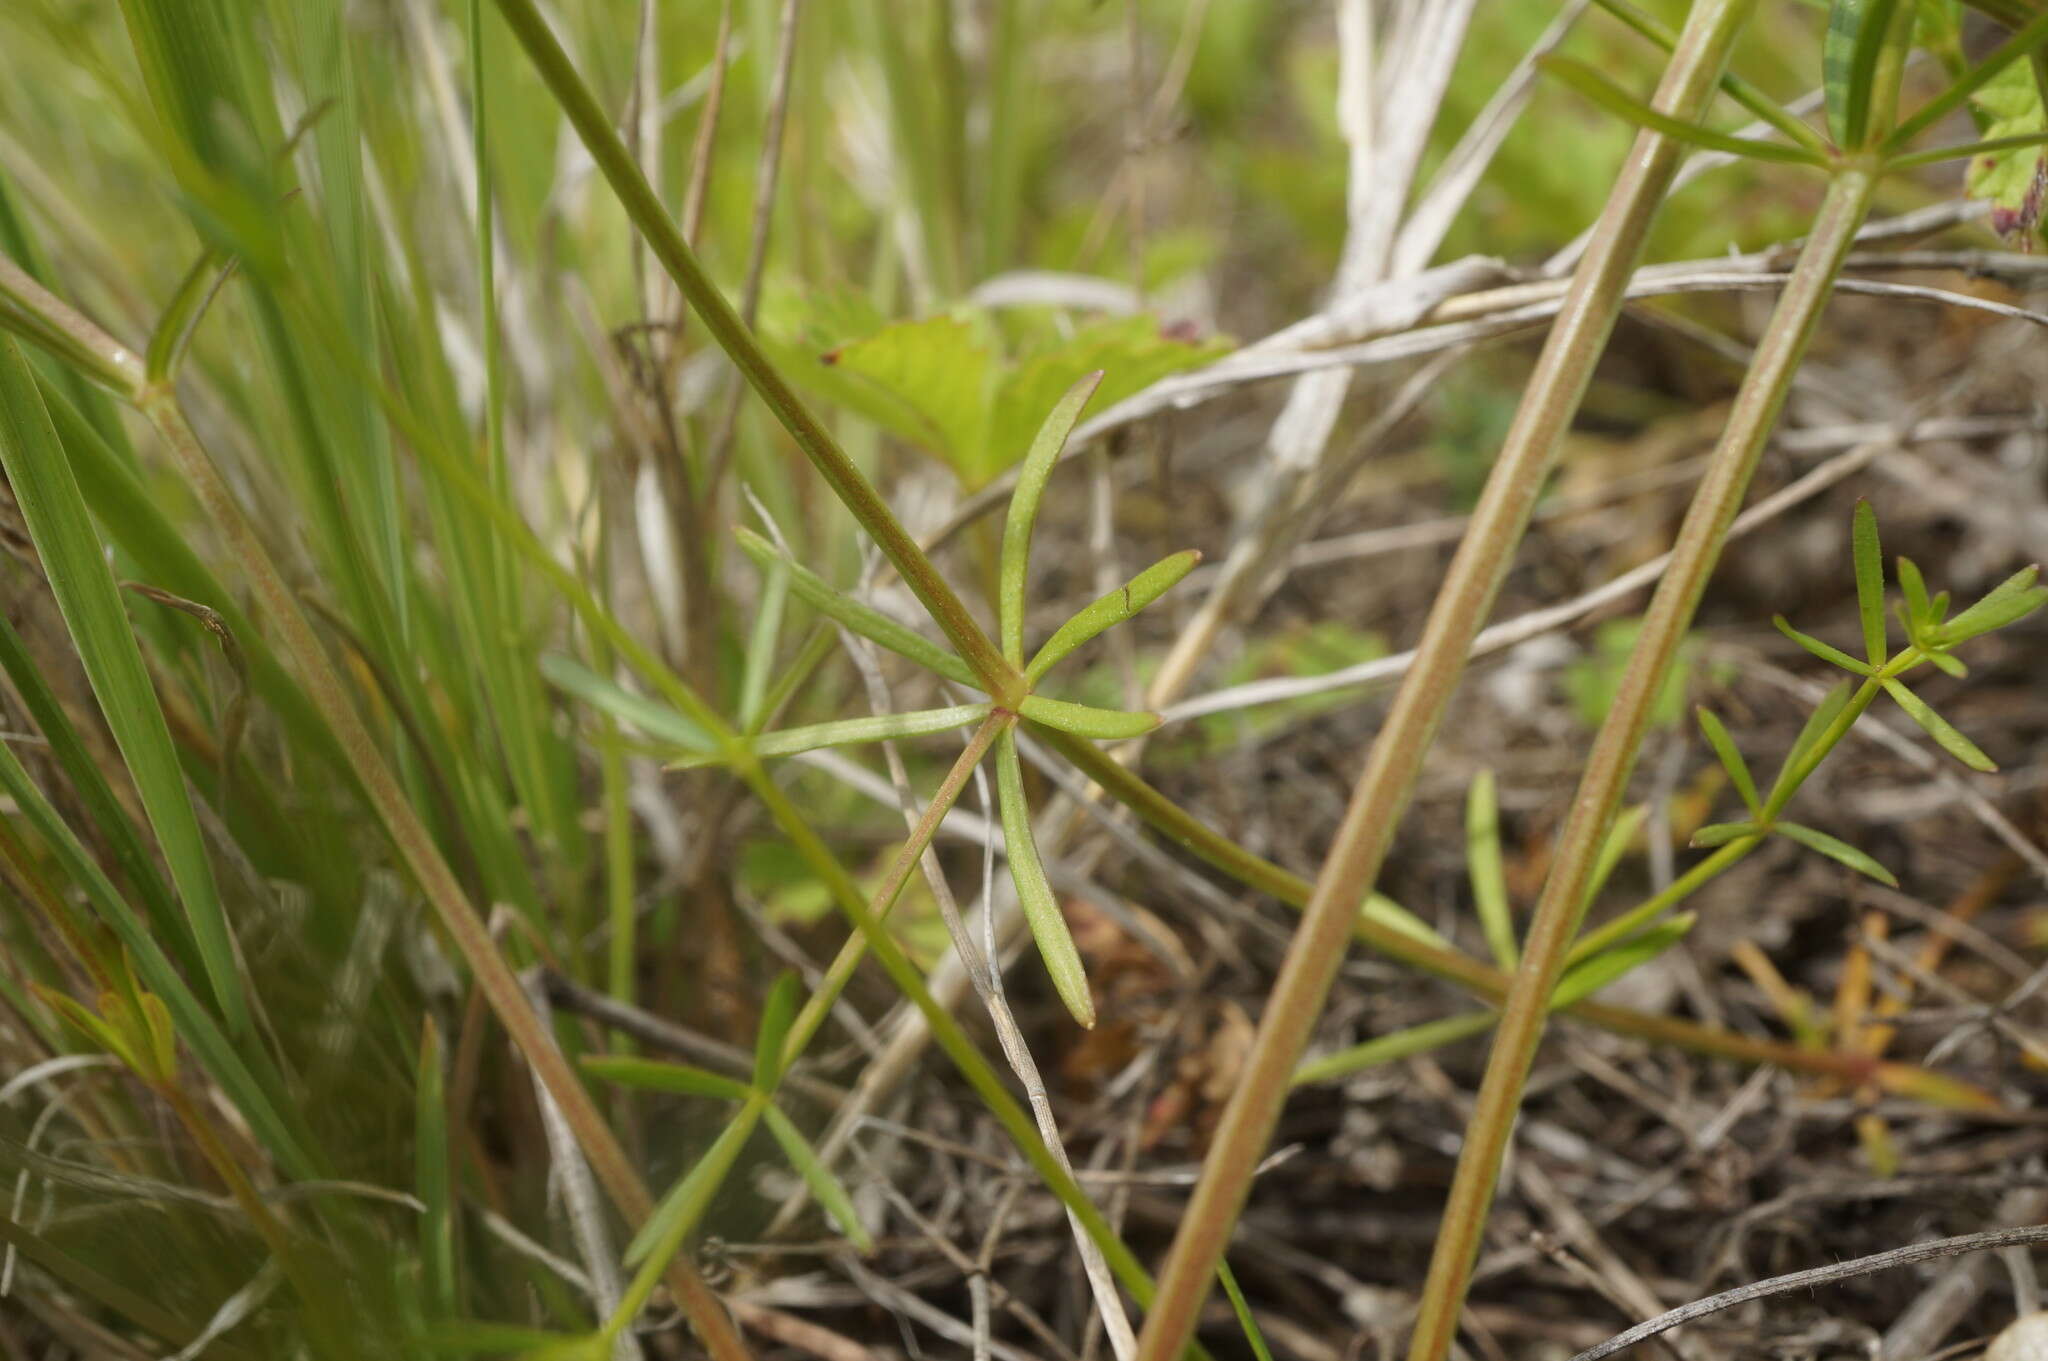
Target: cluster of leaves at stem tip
x: 686, y: 744
x: 1931, y: 639
x: 1863, y: 55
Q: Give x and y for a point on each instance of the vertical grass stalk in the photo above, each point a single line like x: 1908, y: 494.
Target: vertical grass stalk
x: 1601, y: 787
x: 1562, y: 373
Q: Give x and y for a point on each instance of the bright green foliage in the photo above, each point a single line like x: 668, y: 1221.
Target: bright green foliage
x: 939, y: 383
x: 2011, y: 181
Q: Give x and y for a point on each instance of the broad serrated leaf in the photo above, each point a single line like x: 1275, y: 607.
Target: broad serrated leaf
x: 824, y: 1186
x: 2011, y: 181
x: 1731, y: 760
x: 1132, y: 353
x: 1869, y: 560
x: 1034, y: 892
x: 651, y: 717
x: 928, y: 382
x: 1721, y: 833
x: 1820, y: 649
x: 865, y: 620
x: 2006, y: 603
x: 1937, y: 727
x: 1483, y: 865
x: 1837, y: 850
x: 776, y: 1014
x: 654, y: 1075
x: 1111, y: 609
x: 1085, y: 720
x: 1036, y: 471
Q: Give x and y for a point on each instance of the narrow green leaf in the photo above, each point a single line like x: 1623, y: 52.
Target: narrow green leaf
x: 1820, y: 649
x: 1869, y: 560
x: 1616, y: 843
x: 1085, y: 720
x: 1032, y: 476
x: 761, y: 645
x: 1252, y: 1335
x: 1721, y: 833
x: 1488, y: 875
x: 1989, y: 146
x: 1034, y: 893
x: 824, y: 1186
x: 1735, y: 87
x: 1948, y: 665
x: 663, y: 1234
x: 655, y: 719
x: 1856, y: 35
x: 90, y: 602
x: 2030, y: 31
x: 1914, y: 587
x: 776, y: 1014
x: 433, y: 1181
x: 1838, y: 850
x: 1824, y: 714
x: 181, y: 316
x: 653, y: 1075
x: 1953, y: 742
x: 873, y: 728
x: 1110, y: 610
x: 1618, y: 101
x: 1385, y: 1049
x: 1588, y: 977
x: 1731, y: 760
x: 2006, y: 603
x: 1383, y: 911
x: 865, y: 620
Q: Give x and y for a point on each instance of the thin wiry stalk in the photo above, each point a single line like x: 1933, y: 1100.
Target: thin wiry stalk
x: 1562, y: 373
x: 1601, y: 787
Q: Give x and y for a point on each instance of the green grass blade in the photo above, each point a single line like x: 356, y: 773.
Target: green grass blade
x: 653, y: 1075
x: 1937, y: 727
x: 1869, y: 559
x: 655, y: 719
x: 433, y: 1178
x: 1385, y: 1049
x: 1252, y: 1335
x: 1085, y: 720
x: 824, y: 1186
x: 1839, y: 851
x: 874, y: 728
x: 1032, y: 476
x: 761, y: 647
x: 1731, y: 760
x: 1483, y: 865
x: 91, y: 603
x: 1034, y: 892
x: 776, y: 1014
x: 1110, y: 610
x: 865, y: 620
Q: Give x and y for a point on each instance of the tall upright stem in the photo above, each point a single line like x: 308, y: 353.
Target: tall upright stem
x: 1601, y: 787
x: 1502, y: 516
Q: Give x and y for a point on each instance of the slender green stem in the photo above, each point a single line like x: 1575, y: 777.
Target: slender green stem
x: 665, y: 239
x: 1601, y: 787
x: 1684, y: 886
x: 1562, y: 372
